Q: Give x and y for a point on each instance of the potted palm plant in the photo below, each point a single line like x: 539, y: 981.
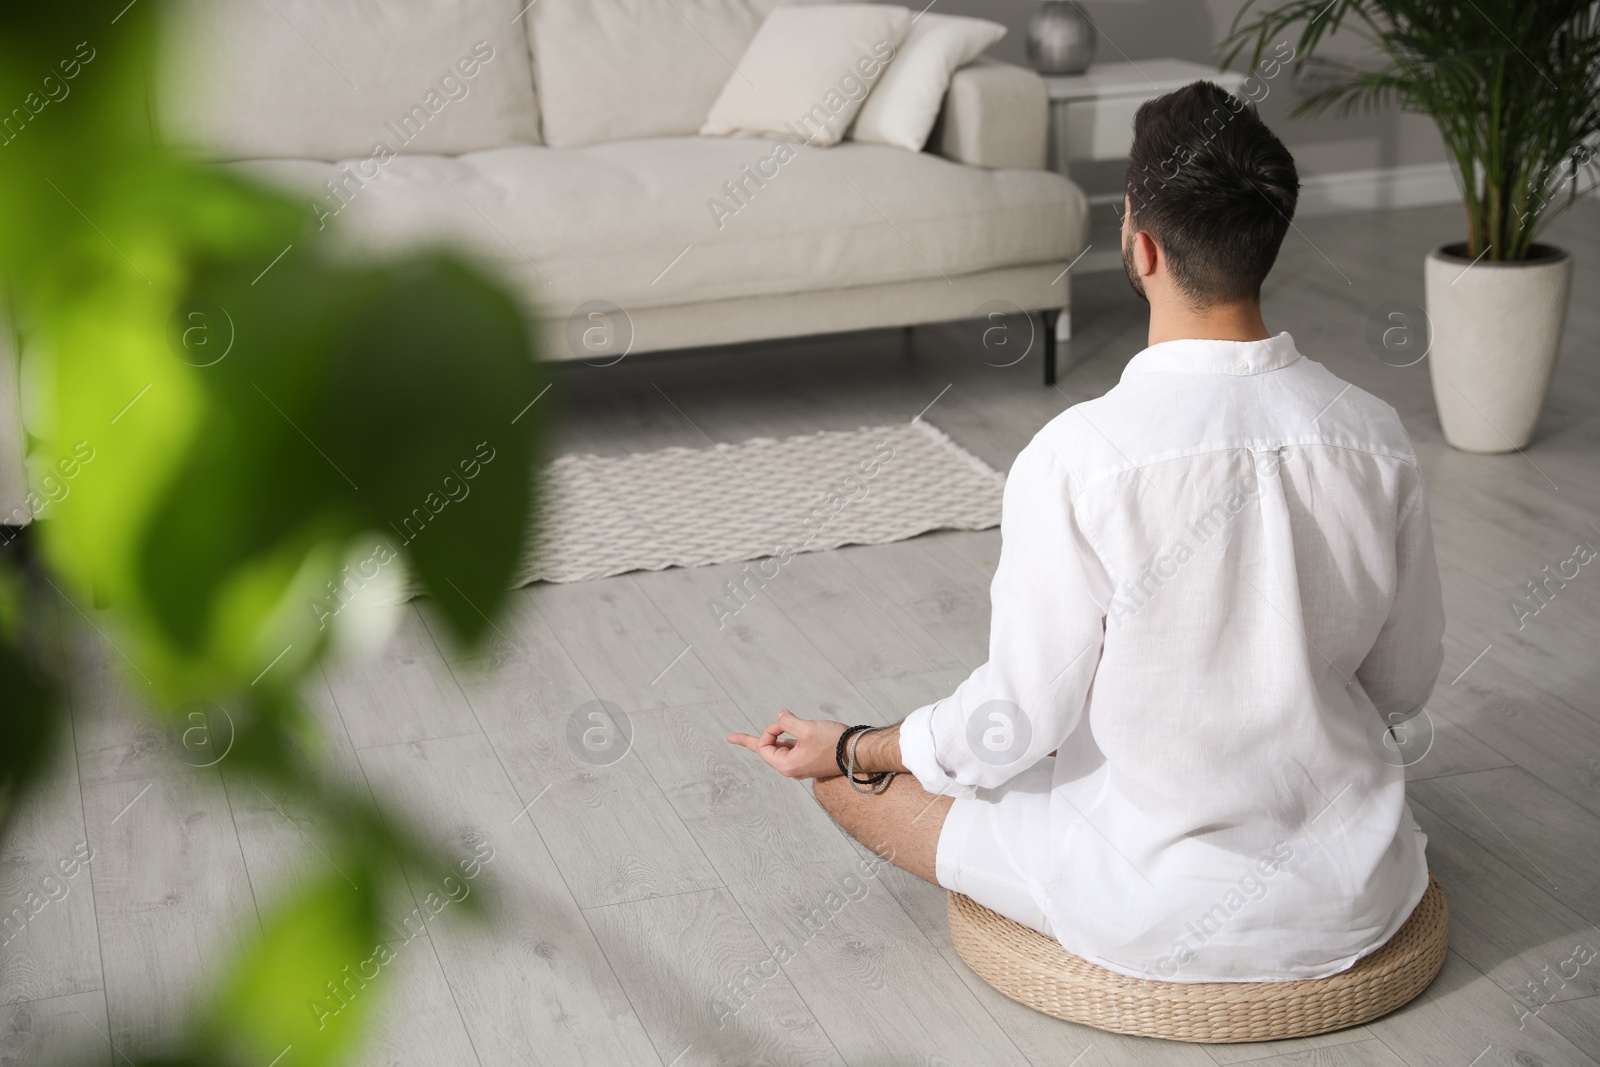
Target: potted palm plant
x: 1514, y: 88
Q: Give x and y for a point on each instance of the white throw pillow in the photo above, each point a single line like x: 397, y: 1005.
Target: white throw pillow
x: 904, y: 105
x: 807, y: 71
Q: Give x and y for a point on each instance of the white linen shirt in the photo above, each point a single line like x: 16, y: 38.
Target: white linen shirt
x: 1216, y: 592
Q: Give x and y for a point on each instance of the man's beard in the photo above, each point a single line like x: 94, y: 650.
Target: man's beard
x: 1128, y: 267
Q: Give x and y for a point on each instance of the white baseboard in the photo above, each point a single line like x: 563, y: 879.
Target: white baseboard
x: 1413, y: 185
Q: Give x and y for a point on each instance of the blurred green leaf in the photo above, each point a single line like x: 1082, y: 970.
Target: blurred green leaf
x: 233, y: 412
x: 305, y: 982
x: 384, y: 404
x: 223, y: 492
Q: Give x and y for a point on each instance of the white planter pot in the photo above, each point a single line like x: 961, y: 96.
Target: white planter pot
x: 1496, y: 328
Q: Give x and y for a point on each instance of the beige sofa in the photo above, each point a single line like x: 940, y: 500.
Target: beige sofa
x: 558, y: 143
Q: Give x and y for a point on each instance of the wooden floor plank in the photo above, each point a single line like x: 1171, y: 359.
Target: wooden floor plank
x: 881, y: 991
x: 943, y: 594
x: 628, y: 652
x: 979, y: 552
x: 1535, y: 831
x: 709, y: 990
x: 750, y: 822
x: 1525, y: 724
x: 418, y: 1023
x: 892, y: 699
x: 118, y: 736
x: 1464, y: 1017
x: 1506, y: 926
x: 1338, y: 1054
x: 171, y: 897
x: 1548, y: 651
x: 1356, y: 1042
x: 539, y: 986
x: 1576, y: 1020
x: 861, y: 632
x: 282, y: 836
x: 65, y: 1031
x: 406, y: 694
x: 612, y: 833
x: 759, y: 657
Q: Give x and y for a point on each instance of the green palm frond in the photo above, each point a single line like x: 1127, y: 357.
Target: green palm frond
x: 1513, y: 86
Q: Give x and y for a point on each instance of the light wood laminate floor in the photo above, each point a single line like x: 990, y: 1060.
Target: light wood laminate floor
x: 638, y: 906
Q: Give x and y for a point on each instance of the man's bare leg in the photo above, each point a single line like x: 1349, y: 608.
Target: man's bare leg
x: 901, y: 824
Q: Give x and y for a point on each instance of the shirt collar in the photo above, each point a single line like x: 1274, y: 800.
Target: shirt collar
x: 1197, y: 356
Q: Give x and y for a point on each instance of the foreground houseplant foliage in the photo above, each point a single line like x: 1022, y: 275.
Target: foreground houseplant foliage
x: 1512, y: 88
x: 239, y: 417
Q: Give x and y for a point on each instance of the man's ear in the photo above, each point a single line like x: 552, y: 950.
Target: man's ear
x: 1146, y: 254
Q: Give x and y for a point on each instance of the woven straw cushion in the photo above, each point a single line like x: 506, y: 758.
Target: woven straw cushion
x: 1035, y: 970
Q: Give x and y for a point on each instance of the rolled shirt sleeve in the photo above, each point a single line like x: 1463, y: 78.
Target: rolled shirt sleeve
x: 1046, y: 628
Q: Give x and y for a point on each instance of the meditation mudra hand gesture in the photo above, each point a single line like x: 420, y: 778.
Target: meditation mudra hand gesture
x: 809, y: 748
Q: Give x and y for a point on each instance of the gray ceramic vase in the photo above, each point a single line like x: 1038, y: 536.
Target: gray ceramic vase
x: 1061, y: 39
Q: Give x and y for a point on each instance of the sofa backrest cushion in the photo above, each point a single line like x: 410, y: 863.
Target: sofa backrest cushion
x: 614, y: 70
x: 332, y: 79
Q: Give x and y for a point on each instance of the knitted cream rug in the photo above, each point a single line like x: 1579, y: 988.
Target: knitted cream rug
x: 688, y: 507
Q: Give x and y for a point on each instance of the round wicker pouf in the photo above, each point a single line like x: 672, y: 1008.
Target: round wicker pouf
x: 1033, y: 969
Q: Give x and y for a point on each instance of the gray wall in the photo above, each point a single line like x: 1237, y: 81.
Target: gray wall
x: 1190, y: 29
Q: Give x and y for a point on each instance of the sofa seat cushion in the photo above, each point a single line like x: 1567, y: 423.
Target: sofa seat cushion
x: 654, y: 222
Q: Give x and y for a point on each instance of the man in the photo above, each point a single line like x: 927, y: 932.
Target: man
x: 1216, y: 598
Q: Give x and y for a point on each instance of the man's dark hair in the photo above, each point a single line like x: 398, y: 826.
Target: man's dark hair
x: 1214, y: 187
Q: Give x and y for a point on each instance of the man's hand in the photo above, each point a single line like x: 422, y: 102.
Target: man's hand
x: 808, y: 752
